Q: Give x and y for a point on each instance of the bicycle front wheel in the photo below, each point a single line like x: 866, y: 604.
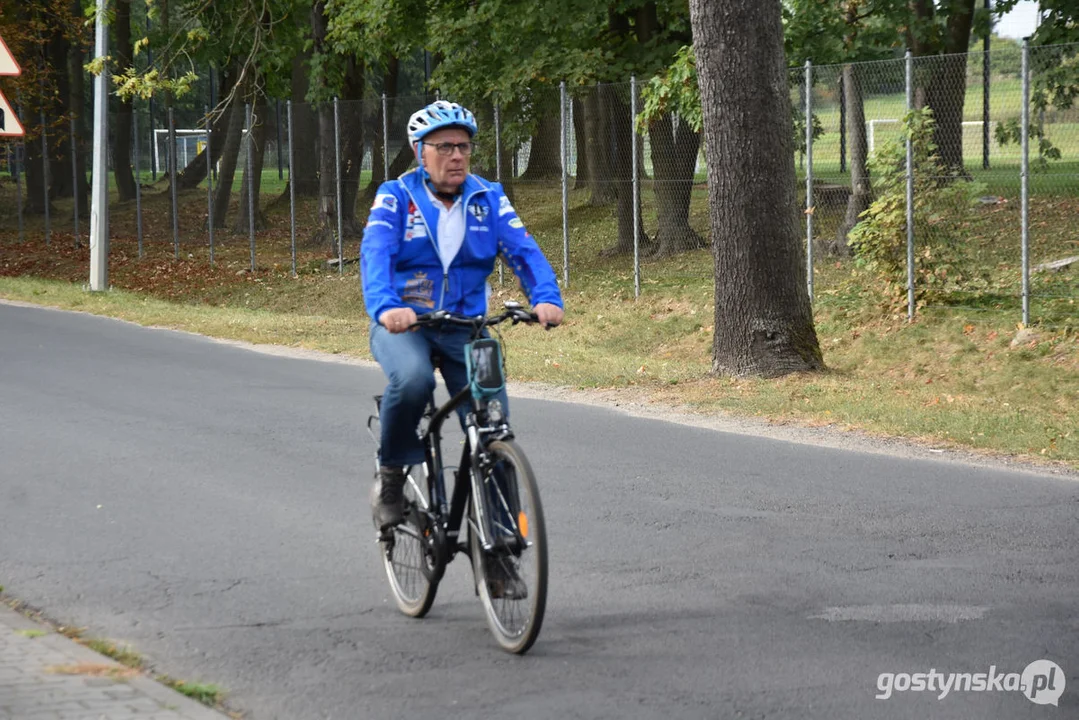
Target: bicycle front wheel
x: 414, y: 556
x: 511, y: 576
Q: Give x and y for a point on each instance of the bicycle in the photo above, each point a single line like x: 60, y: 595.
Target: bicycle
x: 495, y: 501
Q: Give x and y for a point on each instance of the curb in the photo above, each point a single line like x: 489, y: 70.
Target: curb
x: 170, y: 704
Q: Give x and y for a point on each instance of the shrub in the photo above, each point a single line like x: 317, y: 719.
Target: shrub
x: 943, y: 201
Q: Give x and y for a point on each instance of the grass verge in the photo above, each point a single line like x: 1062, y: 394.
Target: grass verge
x: 962, y: 375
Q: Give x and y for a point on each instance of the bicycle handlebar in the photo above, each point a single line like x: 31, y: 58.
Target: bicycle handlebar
x: 438, y: 317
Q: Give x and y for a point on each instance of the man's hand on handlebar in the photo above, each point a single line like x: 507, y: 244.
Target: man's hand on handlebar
x: 397, y: 320
x: 548, y: 315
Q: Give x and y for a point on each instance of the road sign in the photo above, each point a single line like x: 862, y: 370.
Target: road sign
x: 9, y: 121
x: 8, y: 66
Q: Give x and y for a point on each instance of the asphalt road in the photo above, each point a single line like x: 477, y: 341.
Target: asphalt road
x: 207, y: 505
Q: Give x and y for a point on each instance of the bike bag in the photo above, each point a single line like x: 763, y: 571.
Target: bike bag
x: 483, y: 358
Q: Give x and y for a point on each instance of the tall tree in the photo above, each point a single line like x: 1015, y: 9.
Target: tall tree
x: 121, y: 146
x: 943, y: 29
x: 846, y: 32
x: 763, y: 318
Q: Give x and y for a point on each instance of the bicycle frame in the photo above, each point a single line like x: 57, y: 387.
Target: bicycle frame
x: 480, y: 428
x: 472, y: 455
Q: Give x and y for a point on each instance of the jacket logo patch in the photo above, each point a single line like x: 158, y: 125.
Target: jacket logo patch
x: 478, y: 211
x: 419, y: 290
x: 385, y: 200
x: 415, y: 227
x: 516, y: 223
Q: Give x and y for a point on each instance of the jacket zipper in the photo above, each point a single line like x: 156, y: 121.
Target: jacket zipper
x: 431, y: 235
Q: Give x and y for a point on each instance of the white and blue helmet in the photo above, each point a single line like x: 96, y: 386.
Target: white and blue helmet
x: 439, y: 114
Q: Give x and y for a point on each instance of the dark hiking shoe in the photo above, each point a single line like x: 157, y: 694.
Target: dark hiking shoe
x: 389, y: 510
x: 503, y: 580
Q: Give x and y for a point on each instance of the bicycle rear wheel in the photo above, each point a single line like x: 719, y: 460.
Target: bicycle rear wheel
x: 414, y: 555
x: 511, y: 578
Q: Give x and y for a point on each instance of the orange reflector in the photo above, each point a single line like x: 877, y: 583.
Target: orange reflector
x: 522, y: 524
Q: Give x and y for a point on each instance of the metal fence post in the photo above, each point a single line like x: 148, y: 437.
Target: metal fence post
x: 171, y: 161
x: 1024, y: 178
x: 910, y: 189
x: 565, y: 185
x: 250, y: 185
x: 45, y: 177
x: 75, y: 179
x: 636, y: 186
x: 20, y: 167
x: 498, y: 179
x: 337, y: 175
x: 291, y: 191
x: 809, y: 175
x: 210, y: 182
x: 138, y: 177
x: 842, y: 125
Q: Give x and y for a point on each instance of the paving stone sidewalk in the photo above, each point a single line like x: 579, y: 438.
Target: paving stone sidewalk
x: 50, y: 677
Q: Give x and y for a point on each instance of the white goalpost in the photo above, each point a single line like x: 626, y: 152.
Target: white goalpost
x: 189, y: 143
x: 969, y: 136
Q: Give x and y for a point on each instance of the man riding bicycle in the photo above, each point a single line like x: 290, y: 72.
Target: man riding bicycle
x: 430, y: 244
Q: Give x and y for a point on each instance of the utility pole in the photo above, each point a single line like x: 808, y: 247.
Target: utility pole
x: 99, y: 198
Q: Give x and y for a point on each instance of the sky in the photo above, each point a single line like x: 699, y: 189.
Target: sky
x: 1020, y: 22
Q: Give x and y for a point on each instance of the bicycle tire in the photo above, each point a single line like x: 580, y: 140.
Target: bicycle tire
x: 415, y: 558
x: 514, y: 622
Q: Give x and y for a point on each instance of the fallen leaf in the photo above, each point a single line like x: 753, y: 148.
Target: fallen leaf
x: 93, y: 669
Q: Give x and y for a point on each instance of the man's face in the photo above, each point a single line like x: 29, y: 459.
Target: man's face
x: 447, y: 171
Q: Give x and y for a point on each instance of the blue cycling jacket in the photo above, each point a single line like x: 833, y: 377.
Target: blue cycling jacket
x: 400, y: 264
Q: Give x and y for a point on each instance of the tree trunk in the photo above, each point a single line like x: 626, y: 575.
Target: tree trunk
x: 327, y: 180
x: 305, y: 137
x: 674, y: 155
x: 621, y: 154
x: 946, y: 95
x: 230, y: 151
x: 595, y: 149
x: 195, y: 172
x: 121, y: 146
x: 861, y: 193
x: 379, y: 144
x: 402, y: 160
x: 945, y: 91
x: 580, y: 136
x: 326, y: 234
x: 77, y: 137
x: 545, y: 153
x: 252, y: 170
x: 37, y: 191
x: 352, y: 145
x: 56, y: 109
x: 763, y: 319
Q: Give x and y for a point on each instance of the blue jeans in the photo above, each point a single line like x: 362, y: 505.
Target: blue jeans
x: 406, y: 360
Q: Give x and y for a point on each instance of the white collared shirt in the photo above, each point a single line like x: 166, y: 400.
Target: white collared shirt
x: 451, y: 227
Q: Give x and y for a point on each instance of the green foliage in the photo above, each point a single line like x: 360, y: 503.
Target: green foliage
x: 1054, y: 86
x: 675, y: 91
x: 942, y: 206
x: 839, y: 31
x: 798, y: 122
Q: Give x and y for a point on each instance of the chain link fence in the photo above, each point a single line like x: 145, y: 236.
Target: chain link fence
x: 988, y: 211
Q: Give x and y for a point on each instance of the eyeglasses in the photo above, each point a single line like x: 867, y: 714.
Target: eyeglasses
x: 447, y: 148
